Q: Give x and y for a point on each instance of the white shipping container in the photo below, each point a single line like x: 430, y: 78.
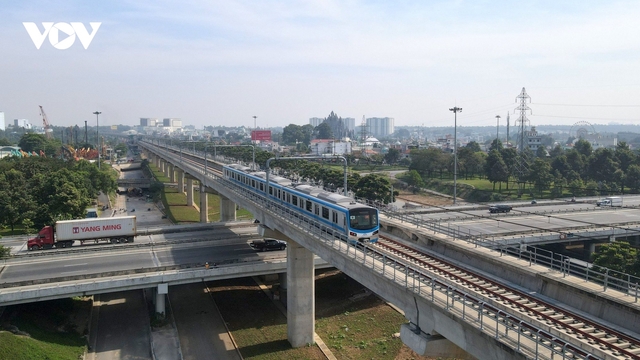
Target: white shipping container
x: 95, y: 228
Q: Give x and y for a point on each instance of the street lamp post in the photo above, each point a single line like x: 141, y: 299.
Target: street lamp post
x: 455, y: 110
x: 97, y: 114
x: 205, y: 162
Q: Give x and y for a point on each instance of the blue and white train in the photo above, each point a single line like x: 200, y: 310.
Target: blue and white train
x: 347, y: 219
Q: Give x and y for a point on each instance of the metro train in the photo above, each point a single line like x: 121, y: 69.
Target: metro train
x: 348, y: 220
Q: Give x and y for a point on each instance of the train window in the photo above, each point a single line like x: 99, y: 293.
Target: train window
x: 270, y: 190
x: 325, y: 213
x: 288, y: 197
x: 317, y: 209
x: 261, y: 187
x: 294, y: 200
x: 309, y: 206
x: 253, y: 183
x: 335, y: 216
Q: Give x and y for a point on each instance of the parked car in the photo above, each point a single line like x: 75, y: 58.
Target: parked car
x: 499, y: 208
x: 268, y: 244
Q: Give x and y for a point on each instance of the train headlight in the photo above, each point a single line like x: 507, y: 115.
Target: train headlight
x: 351, y: 233
x: 375, y: 232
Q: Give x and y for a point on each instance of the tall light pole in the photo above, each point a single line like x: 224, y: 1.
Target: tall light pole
x: 455, y: 110
x: 497, y: 129
x: 97, y: 113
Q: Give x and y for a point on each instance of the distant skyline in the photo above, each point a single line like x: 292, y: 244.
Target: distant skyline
x: 220, y: 63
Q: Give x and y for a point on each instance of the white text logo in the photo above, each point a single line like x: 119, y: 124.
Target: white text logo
x: 70, y: 30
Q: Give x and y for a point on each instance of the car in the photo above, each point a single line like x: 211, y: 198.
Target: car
x: 268, y: 244
x: 533, y: 202
x: 500, y: 208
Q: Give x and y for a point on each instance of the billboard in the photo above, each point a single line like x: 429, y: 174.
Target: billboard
x: 261, y: 135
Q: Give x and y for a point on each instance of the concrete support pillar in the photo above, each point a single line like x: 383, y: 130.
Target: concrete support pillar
x: 227, y: 209
x: 162, y: 291
x: 591, y: 248
x: 172, y: 173
x: 158, y: 161
x: 282, y: 277
x: 301, y: 306
x: 180, y: 175
x: 189, y: 192
x: 612, y: 238
x: 204, y: 203
x: 166, y: 169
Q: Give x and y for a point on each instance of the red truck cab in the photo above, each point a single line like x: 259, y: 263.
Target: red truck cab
x: 46, y: 240
x: 43, y: 240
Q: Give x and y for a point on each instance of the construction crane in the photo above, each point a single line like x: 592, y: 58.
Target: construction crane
x: 48, y: 131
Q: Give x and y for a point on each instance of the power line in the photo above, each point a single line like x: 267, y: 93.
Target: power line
x: 582, y: 117
x: 590, y: 105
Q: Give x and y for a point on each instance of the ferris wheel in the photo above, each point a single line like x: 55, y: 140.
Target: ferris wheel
x: 582, y: 129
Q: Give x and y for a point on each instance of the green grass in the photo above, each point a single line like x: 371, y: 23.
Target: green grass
x: 18, y: 230
x: 176, y: 207
x: 257, y: 326
x: 361, y: 329
x: 52, y: 332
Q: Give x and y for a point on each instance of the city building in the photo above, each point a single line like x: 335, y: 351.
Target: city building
x: 533, y: 139
x: 349, y: 124
x: 329, y: 146
x: 3, y: 126
x: 151, y: 122
x: 380, y: 127
x: 21, y: 123
x: 315, y: 121
x: 172, y: 122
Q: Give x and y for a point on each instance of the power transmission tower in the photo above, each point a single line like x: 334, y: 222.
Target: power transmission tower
x: 521, y: 166
x: 522, y: 120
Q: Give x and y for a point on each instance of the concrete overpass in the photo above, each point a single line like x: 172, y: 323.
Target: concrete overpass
x: 305, y: 242
x: 134, y: 183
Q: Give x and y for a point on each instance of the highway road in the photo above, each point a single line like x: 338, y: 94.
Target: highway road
x: 210, y: 247
x: 527, y: 218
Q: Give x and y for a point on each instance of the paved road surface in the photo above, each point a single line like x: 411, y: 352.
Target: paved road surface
x: 201, y: 329
x: 122, y: 328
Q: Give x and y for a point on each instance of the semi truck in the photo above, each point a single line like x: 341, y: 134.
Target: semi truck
x: 64, y: 233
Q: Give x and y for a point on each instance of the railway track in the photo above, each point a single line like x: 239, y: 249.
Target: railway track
x: 604, y: 341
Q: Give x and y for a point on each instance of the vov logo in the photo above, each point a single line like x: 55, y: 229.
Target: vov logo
x: 70, y: 30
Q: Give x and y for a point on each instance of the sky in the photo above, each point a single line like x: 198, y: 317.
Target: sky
x: 219, y: 63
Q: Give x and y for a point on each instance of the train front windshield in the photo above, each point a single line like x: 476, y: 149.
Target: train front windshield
x: 363, y: 219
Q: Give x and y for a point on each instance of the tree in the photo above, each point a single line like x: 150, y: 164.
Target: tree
x: 618, y: 256
x: 473, y: 146
x: 31, y: 142
x: 556, y: 151
x: 602, y: 165
x: 633, y: 178
x: 413, y: 179
x: 540, y: 175
x: 323, y: 131
x: 496, y: 169
x: 16, y: 202
x: 293, y: 134
x: 374, y: 188
x: 624, y: 156
x: 583, y: 147
x: 496, y: 145
x: 392, y: 156
x: 5, y: 252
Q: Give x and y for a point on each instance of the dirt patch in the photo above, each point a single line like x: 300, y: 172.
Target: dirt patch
x: 429, y: 200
